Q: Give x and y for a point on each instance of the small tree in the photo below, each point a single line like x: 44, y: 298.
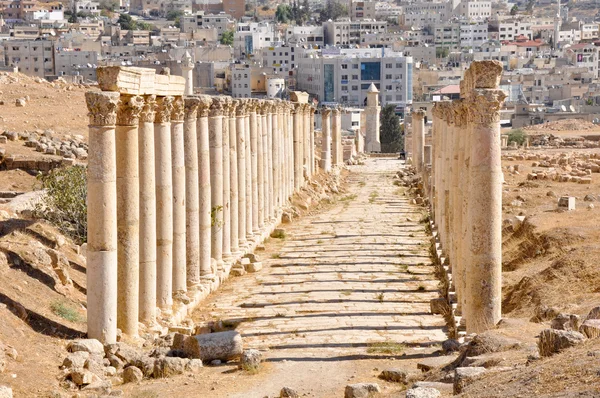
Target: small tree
x: 390, y: 131
x: 514, y: 10
x: 332, y: 10
x: 283, y: 13
x: 64, y: 201
x: 174, y: 14
x: 518, y: 136
x: 126, y: 22
x: 227, y: 38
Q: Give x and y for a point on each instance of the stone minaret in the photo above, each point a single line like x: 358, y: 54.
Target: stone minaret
x: 187, y: 66
x: 556, y: 27
x: 373, y: 144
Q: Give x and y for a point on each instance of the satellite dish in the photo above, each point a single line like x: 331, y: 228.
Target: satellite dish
x: 563, y: 108
x: 572, y: 108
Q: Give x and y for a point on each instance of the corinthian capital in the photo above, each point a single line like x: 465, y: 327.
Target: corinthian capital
x: 204, y: 107
x: 149, y: 109
x: 164, y: 107
x: 178, y: 112
x: 217, y: 106
x: 484, y: 106
x: 191, y: 107
x: 102, y: 107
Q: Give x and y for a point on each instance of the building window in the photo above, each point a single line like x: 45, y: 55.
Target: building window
x: 344, y: 66
x: 354, y: 88
x: 355, y: 66
x: 388, y: 66
x: 388, y: 77
x: 389, y: 87
x: 344, y: 77
x: 388, y: 97
x: 354, y: 77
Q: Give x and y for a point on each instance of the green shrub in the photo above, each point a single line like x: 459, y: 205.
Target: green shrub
x: 64, y: 201
x: 518, y: 136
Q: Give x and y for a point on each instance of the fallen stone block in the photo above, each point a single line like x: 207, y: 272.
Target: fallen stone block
x: 553, y: 341
x: 250, y: 360
x: 465, y: 376
x: 287, y: 392
x: 253, y: 267
x: 207, y: 347
x: 6, y: 392
x: 83, y: 377
x: 566, y: 322
x: 169, y: 366
x: 591, y: 328
x: 393, y: 375
x: 92, y: 346
x: 76, y: 360
x: 132, y: 374
x: 422, y: 392
x: 594, y: 313
x: 427, y: 364
x: 361, y: 390
x: 438, y: 305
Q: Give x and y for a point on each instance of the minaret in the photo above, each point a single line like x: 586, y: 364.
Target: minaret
x: 556, y: 27
x: 373, y: 144
x: 187, y: 65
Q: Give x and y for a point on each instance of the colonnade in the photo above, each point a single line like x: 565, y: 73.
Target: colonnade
x: 332, y: 150
x: 178, y: 189
x: 466, y: 191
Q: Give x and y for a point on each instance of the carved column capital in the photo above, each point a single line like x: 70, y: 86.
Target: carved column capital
x: 130, y: 108
x: 217, y: 107
x: 204, y: 106
x: 164, y: 107
x: 484, y: 106
x: 325, y: 112
x: 335, y: 111
x: 418, y: 114
x: 240, y: 107
x: 102, y: 107
x: 178, y: 112
x: 191, y: 107
x: 149, y: 109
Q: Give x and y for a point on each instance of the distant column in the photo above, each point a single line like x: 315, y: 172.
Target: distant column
x: 336, y: 128
x: 298, y: 159
x: 179, y: 208
x: 102, y: 217
x: 128, y: 212
x: 311, y: 140
x: 269, y: 158
x: 206, y: 271
x: 164, y: 204
x: 254, y: 126
x: 326, y: 139
x: 248, y: 145
x: 147, y: 191
x: 241, y: 168
x: 372, y: 119
x: 233, y: 178
x: 215, y: 134
x: 227, y: 106
x: 260, y: 176
x: 187, y: 67
x: 192, y: 198
x: 275, y: 169
x: 418, y: 122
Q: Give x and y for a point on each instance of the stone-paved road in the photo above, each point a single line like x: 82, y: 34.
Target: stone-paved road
x: 343, y: 280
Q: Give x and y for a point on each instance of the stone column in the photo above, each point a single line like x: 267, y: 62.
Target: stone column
x: 187, y: 66
x: 192, y: 205
x: 215, y: 134
x: 226, y: 181
x: 337, y: 152
x: 147, y: 213
x: 102, y: 217
x: 248, y: 148
x: 233, y: 178
x: 288, y: 151
x: 273, y: 175
x: 179, y: 195
x: 485, y: 216
x: 254, y: 126
x: 298, y: 144
x: 128, y: 210
x: 266, y: 161
x: 326, y: 140
x: 307, y: 170
x: 464, y: 255
x: 260, y: 176
x: 164, y: 204
x: 418, y: 142
x: 457, y: 167
x: 311, y: 139
x: 204, y: 193
x: 241, y: 168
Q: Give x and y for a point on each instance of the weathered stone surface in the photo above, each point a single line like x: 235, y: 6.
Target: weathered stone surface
x: 591, y: 328
x: 194, y: 365
x: 223, y: 345
x: 76, y: 360
x: 101, y: 387
x: 552, y: 341
x: 423, y: 392
x: 465, y: 376
x: 250, y: 359
x: 169, y: 366
x: 146, y: 364
x: 393, y: 375
x: 427, y: 364
x: 566, y: 322
x: 361, y: 390
x: 438, y: 305
x: 83, y: 377
x: 594, y: 313
x: 6, y: 392
x: 490, y: 342
x: 450, y: 345
x: 92, y: 346
x: 127, y: 354
x: 253, y: 267
x: 287, y: 392
x: 132, y: 374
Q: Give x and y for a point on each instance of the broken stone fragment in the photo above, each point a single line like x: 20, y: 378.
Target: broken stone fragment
x: 132, y: 374
x: 566, y: 322
x: 393, y: 375
x: 591, y: 328
x: 250, y: 360
x: 92, y: 346
x: 465, y: 376
x: 76, y: 360
x: 6, y: 392
x: 552, y: 341
x: 287, y: 392
x: 423, y: 392
x: 361, y: 390
x: 83, y: 377
x: 207, y: 347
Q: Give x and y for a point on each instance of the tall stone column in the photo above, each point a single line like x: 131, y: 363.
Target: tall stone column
x: 204, y: 193
x: 215, y: 134
x: 164, y: 204
x: 458, y: 158
x: 102, y: 217
x: 418, y: 124
x: 288, y: 151
x: 307, y: 171
x: 233, y: 178
x: 298, y: 145
x: 241, y: 168
x: 179, y: 196
x: 464, y: 255
x: 147, y: 213
x: 192, y: 203
x: 274, y: 136
x: 254, y: 164
x: 260, y: 177
x: 268, y: 143
x: 311, y: 139
x: 372, y: 120
x: 485, y: 216
x: 326, y: 139
x: 128, y: 210
x: 248, y: 145
x: 227, y: 106
x: 336, y: 128
x: 187, y: 66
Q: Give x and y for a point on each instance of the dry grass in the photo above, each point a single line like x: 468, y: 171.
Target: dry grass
x: 385, y: 347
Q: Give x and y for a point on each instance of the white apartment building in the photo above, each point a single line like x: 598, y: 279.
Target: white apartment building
x: 362, y: 10
x: 343, y: 76
x: 90, y: 7
x: 509, y: 31
x: 345, y: 32
x: 312, y: 35
x: 589, y: 31
x: 425, y: 14
x: 448, y: 36
x: 241, y: 81
x: 72, y: 63
x: 32, y: 57
x: 473, y: 34
x: 250, y: 37
x: 474, y: 9
x: 221, y: 22
x: 282, y: 59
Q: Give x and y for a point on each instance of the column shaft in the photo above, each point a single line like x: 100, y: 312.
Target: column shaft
x: 215, y: 134
x: 192, y: 198
x: 298, y: 147
x: 241, y: 168
x: 326, y: 140
x: 254, y: 166
x: 226, y: 182
x: 233, y: 178
x: 179, y: 208
x: 260, y: 177
x: 206, y: 271
x: 248, y: 158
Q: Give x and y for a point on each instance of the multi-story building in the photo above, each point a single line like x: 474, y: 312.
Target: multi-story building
x: 241, y: 81
x: 362, y: 10
x: 423, y: 14
x: 282, y: 59
x: 235, y: 8
x: 32, y: 57
x: 474, y: 9
x: 71, y: 63
x: 345, y: 32
x: 344, y: 75
x: 447, y: 36
x: 584, y: 55
x: 222, y: 22
x: 250, y: 37
x: 473, y: 34
x: 312, y: 35
x: 510, y: 30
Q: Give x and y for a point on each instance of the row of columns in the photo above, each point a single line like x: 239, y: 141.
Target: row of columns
x: 332, y: 151
x: 466, y: 190
x: 179, y: 188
